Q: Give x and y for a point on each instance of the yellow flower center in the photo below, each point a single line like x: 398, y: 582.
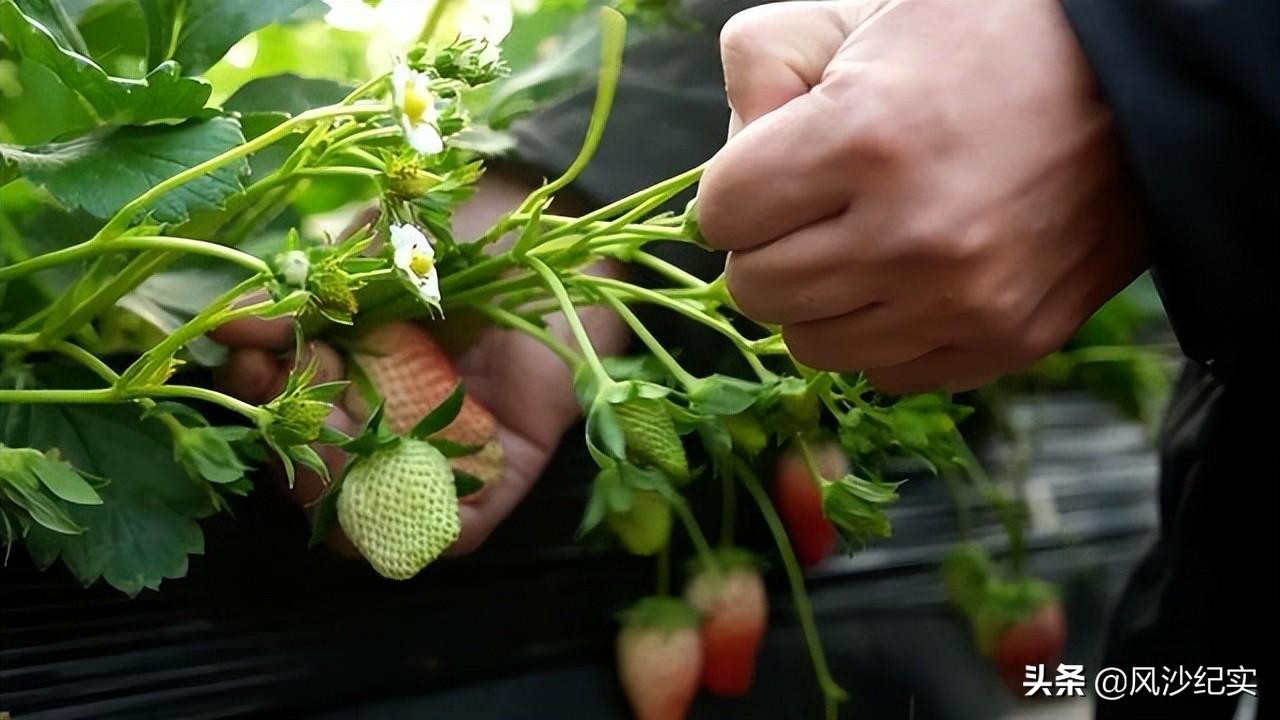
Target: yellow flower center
x: 421, y: 264
x: 415, y: 105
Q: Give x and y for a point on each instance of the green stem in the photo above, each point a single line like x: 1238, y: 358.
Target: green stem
x: 650, y: 204
x: 613, y: 30
x: 213, y: 315
x: 133, y: 274
x: 668, y: 270
x: 681, y: 181
x: 126, y: 214
x: 684, y: 377
x: 359, y: 137
x: 515, y: 322
x: 258, y: 415
x: 318, y: 132
x: 690, y: 523
x: 815, y: 472
x: 575, y: 322
x: 487, y: 292
x: 831, y: 690
x: 657, y: 298
x: 572, y: 225
x: 89, y: 249
x: 113, y: 396
x: 433, y: 20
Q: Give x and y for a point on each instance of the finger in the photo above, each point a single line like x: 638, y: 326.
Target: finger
x: 525, y: 461
x: 809, y: 274
x: 252, y: 374
x: 328, y: 363
x: 276, y: 334
x: 947, y: 369
x: 773, y: 54
x: 776, y: 175
x: 878, y: 336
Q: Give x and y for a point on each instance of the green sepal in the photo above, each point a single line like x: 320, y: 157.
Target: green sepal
x: 660, y: 612
x: 440, y: 417
x: 466, y: 484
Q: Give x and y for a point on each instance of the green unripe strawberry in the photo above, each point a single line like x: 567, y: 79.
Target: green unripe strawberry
x: 651, y: 437
x: 645, y: 527
x: 399, y: 507
x: 747, y: 433
x: 333, y: 292
x: 298, y: 420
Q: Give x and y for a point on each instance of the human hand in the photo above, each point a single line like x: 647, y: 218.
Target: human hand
x: 927, y: 191
x: 524, y: 387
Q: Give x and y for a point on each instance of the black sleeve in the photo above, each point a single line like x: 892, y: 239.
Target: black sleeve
x: 1195, y: 88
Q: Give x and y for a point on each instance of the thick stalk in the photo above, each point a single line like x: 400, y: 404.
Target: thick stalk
x: 831, y: 690
x: 90, y: 249
x: 575, y: 322
x: 613, y: 30
x: 682, y: 376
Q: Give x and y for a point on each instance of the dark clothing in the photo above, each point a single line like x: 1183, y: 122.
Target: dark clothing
x: 1195, y: 88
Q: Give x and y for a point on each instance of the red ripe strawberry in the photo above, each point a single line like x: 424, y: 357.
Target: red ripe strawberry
x: 1037, y: 639
x: 735, y: 608
x: 800, y: 501
x: 413, y: 376
x: 659, y: 658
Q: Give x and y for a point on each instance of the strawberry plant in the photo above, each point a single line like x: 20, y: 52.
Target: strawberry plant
x: 108, y: 458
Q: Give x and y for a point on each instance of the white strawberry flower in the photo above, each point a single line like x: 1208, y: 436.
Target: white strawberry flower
x: 411, y: 94
x: 416, y: 260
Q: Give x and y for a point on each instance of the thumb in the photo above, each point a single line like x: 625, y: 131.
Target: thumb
x: 775, y: 53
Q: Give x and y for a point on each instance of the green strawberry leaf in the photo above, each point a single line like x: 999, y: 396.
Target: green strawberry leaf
x: 723, y: 395
x: 206, y: 454
x: 145, y: 528
x: 162, y: 94
x: 306, y: 456
x: 466, y: 484
x: 440, y: 417
x: 324, y: 517
x: 853, y: 505
x: 63, y: 480
x: 605, y: 438
x: 102, y: 171
x: 23, y: 491
x: 451, y: 449
x: 288, y: 93
x: 197, y: 33
x: 53, y: 17
x: 180, y: 411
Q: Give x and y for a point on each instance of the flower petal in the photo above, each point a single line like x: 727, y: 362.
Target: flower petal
x: 424, y: 139
x: 407, y: 236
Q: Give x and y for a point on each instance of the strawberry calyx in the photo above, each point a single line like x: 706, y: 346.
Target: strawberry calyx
x: 725, y: 561
x: 660, y: 613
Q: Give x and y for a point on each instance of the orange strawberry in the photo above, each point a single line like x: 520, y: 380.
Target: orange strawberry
x: 659, y: 657
x: 735, y: 608
x: 413, y: 376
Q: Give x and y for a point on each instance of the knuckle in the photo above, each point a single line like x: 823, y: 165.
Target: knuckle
x: 875, y: 104
x: 744, y: 31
